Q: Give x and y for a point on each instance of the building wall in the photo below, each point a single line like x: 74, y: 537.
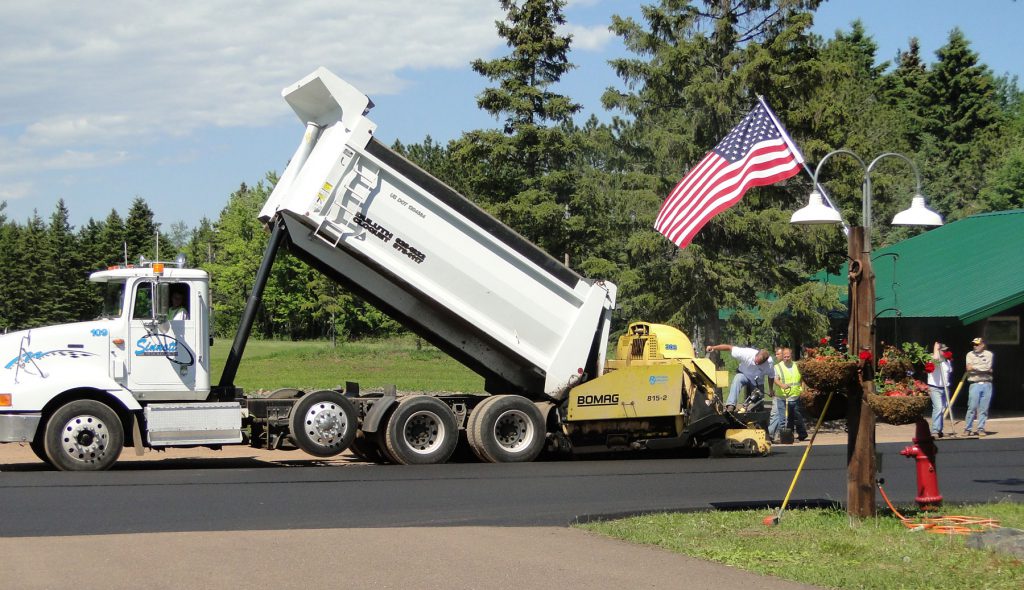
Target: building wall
x: 1008, y: 378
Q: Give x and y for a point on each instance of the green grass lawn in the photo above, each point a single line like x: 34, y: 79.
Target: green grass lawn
x: 268, y: 365
x: 826, y: 548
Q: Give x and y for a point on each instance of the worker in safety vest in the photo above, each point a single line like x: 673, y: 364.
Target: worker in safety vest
x: 177, y: 309
x: 788, y: 387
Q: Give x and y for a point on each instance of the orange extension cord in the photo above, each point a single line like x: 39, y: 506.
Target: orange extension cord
x: 943, y: 525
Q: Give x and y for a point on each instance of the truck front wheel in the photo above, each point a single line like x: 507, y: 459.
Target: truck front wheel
x: 323, y: 423
x: 422, y: 430
x: 83, y: 435
x: 506, y: 429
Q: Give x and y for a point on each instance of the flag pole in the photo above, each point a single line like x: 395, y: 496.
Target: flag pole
x: 799, y: 156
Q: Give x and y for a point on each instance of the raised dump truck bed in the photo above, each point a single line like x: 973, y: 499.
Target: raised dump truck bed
x: 429, y: 257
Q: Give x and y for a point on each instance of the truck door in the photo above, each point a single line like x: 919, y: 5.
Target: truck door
x: 162, y: 355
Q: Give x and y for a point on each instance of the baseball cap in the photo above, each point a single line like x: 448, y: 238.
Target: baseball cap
x: 977, y: 341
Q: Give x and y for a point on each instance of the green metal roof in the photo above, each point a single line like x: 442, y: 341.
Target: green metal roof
x: 968, y: 269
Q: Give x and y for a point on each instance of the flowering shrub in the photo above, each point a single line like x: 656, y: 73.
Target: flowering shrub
x: 827, y: 352
x: 828, y: 369
x: 904, y: 388
x: 903, y: 363
x: 902, y: 371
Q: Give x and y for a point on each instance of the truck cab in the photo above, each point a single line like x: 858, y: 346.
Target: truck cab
x: 156, y: 351
x: 95, y: 381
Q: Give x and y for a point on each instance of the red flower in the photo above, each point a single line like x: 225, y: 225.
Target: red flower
x: 824, y: 340
x: 883, y: 362
x: 929, y: 367
x: 948, y: 355
x: 865, y: 355
x: 843, y: 342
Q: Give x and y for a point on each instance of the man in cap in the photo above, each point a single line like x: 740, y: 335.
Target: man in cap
x: 979, y: 395
x: 938, y: 381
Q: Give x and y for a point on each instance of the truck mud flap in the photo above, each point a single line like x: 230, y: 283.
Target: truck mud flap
x: 371, y: 422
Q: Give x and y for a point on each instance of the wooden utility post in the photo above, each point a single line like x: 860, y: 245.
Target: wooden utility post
x: 860, y: 448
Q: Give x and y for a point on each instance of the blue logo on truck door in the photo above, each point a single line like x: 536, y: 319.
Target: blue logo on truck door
x: 156, y: 345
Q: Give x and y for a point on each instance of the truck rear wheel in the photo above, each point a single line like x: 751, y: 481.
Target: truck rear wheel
x: 323, y: 423
x: 506, y: 429
x: 422, y: 430
x: 83, y: 435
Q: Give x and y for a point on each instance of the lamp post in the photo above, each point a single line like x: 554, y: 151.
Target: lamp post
x: 860, y: 449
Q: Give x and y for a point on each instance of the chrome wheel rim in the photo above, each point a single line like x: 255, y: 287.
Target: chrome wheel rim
x: 423, y: 432
x: 84, y: 439
x: 326, y: 424
x: 513, y: 431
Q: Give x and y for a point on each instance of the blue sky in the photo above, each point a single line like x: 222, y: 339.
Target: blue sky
x: 103, y: 102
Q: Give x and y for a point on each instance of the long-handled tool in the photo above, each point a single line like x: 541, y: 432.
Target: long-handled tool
x: 774, y: 519
x: 949, y: 406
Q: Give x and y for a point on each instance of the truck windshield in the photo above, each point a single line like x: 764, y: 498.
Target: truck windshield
x: 113, y: 299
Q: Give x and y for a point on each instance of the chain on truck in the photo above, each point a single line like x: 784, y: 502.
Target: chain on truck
x: 538, y: 332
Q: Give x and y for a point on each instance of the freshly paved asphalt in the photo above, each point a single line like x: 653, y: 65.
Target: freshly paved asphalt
x: 241, y: 494
x: 245, y: 517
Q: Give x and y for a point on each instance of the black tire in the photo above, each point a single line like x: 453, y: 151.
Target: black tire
x: 83, y: 435
x: 422, y: 430
x: 506, y: 429
x: 323, y: 423
x: 39, y: 449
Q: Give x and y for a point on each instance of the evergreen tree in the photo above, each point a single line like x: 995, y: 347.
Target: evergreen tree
x: 141, y: 232
x: 93, y: 258
x: 963, y: 118
x: 8, y: 244
x: 112, y: 247
x: 904, y: 90
x: 697, y: 73
x: 65, y: 270
x: 32, y: 299
x: 523, y: 172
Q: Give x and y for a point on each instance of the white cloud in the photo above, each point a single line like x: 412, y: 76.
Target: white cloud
x: 90, y: 77
x: 593, y: 38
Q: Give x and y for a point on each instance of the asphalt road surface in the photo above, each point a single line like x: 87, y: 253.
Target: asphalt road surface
x: 237, y: 495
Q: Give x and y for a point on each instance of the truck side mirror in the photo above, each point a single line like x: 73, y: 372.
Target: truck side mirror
x: 161, y: 301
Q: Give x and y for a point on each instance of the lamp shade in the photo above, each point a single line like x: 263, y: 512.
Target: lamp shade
x: 917, y: 214
x: 815, y: 213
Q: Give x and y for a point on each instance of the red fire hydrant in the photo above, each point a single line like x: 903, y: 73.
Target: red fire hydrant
x: 924, y: 450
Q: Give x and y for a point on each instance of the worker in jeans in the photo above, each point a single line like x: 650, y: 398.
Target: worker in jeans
x: 755, y: 365
x: 979, y: 395
x: 789, y: 382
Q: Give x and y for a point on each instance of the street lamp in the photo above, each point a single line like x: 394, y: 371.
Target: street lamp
x: 860, y: 449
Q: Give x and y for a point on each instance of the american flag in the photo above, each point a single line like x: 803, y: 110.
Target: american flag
x: 756, y: 152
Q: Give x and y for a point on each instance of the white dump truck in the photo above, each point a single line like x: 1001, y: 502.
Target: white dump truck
x: 139, y: 375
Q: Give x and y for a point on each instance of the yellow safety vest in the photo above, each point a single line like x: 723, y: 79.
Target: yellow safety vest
x: 789, y: 376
